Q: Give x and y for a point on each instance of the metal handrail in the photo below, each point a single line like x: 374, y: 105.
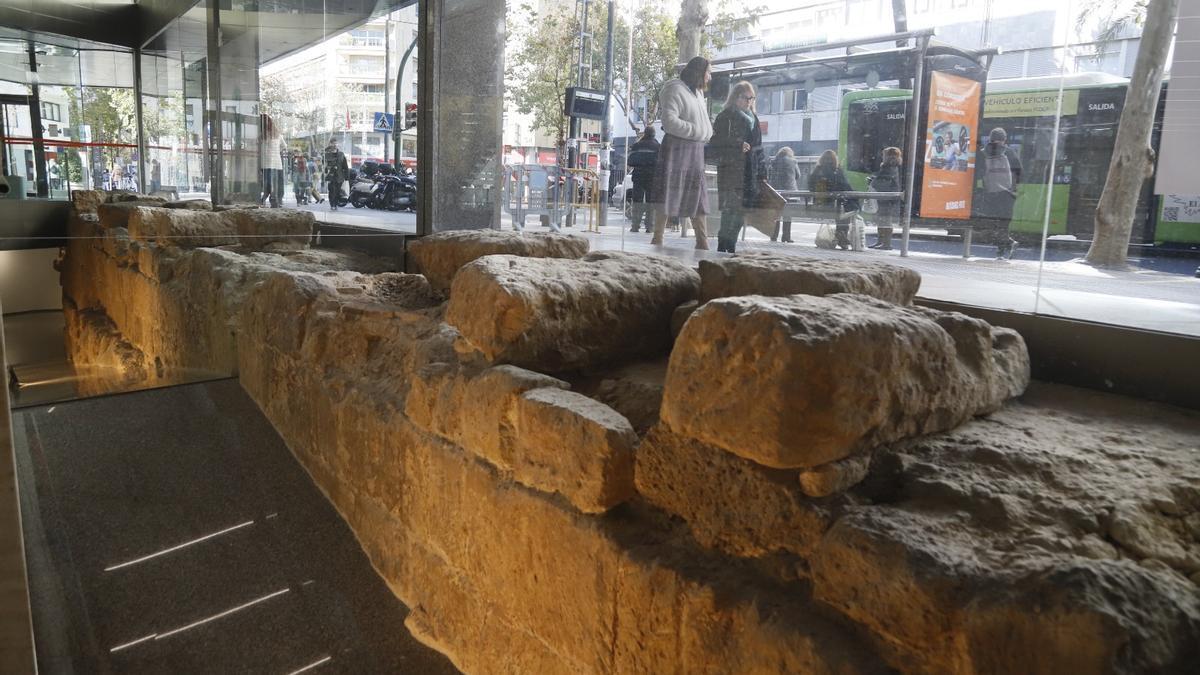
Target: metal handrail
x: 592, y: 202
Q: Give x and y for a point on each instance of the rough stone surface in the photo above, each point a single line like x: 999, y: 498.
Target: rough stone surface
x: 194, y: 204
x: 730, y: 504
x: 440, y: 256
x: 635, y: 391
x: 834, y: 477
x: 982, y: 549
x: 766, y: 274
x: 800, y: 381
x: 147, y: 314
x: 285, y: 228
x: 1058, y: 534
x: 177, y: 227
x: 88, y: 201
x: 575, y: 446
x: 681, y: 315
x: 500, y: 577
x: 559, y: 315
x: 121, y: 196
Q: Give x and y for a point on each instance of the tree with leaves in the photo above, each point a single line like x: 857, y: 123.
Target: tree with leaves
x: 300, y: 112
x: 545, y: 62
x: 1133, y: 158
x: 544, y: 65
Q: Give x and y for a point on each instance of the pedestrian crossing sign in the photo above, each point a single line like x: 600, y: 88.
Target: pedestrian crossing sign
x: 384, y: 121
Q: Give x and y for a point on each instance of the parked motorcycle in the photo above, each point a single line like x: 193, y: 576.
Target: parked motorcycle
x: 364, y: 184
x: 393, y: 192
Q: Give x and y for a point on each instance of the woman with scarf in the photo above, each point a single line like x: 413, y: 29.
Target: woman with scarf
x: 737, y: 145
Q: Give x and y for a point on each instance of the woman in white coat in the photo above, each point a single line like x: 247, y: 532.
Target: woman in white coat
x: 679, y: 184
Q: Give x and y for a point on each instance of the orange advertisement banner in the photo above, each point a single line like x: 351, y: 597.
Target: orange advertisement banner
x: 949, y: 175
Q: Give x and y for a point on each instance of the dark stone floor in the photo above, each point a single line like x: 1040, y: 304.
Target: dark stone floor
x: 171, y: 531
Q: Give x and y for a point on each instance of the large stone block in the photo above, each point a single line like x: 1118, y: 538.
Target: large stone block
x: 178, y: 227
x: 921, y: 582
x: 765, y: 274
x: 559, y: 315
x: 280, y: 228
x: 87, y: 201
x: 730, y: 504
x: 567, y: 443
x: 440, y: 256
x: 799, y: 381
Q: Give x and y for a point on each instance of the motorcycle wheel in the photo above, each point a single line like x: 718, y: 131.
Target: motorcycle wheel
x: 357, y: 202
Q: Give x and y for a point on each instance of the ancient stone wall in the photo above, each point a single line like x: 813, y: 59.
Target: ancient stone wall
x: 813, y: 478
x: 151, y: 289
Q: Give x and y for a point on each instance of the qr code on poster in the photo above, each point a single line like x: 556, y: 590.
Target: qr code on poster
x: 1171, y: 214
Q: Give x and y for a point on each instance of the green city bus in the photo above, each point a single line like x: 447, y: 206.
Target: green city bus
x: 1027, y: 110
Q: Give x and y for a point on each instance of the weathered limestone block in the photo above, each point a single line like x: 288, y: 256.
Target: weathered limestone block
x: 475, y: 412
x: 922, y: 584
x: 730, y: 504
x: 258, y: 228
x: 765, y: 274
x: 635, y: 391
x: 194, y: 204
x: 119, y: 196
x: 179, y: 227
x: 834, y: 477
x: 558, y: 315
x: 799, y: 381
x: 87, y: 201
x: 116, y: 215
x: 440, y: 256
x: 567, y: 443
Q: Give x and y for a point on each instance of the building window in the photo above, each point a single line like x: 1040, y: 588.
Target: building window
x: 366, y: 37
x: 51, y: 112
x: 796, y: 99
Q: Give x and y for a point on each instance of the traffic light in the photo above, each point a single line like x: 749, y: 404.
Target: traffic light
x: 410, y: 115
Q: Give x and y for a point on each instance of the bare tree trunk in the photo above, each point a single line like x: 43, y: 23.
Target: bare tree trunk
x: 693, y: 15
x: 1133, y: 159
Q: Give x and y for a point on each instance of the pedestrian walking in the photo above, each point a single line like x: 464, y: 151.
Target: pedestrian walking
x: 737, y: 145
x: 1001, y: 174
x: 680, y: 189
x: 826, y: 178
x: 314, y: 180
x: 887, y: 179
x: 336, y: 171
x: 643, y: 157
x: 155, y: 176
x: 784, y: 176
x: 272, y: 166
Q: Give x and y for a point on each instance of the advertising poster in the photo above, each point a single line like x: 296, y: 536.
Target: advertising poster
x: 949, y: 175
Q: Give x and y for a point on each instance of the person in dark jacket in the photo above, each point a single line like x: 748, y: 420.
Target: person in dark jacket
x: 337, y: 169
x: 887, y: 179
x: 643, y: 155
x: 1001, y: 174
x: 785, y: 175
x: 737, y: 145
x: 829, y: 177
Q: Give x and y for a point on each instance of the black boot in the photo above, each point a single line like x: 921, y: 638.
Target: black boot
x: 787, y: 231
x: 885, y: 239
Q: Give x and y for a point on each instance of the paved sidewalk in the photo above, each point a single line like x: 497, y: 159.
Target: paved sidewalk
x: 1142, y: 298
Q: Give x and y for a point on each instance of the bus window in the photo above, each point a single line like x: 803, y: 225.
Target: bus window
x: 873, y: 126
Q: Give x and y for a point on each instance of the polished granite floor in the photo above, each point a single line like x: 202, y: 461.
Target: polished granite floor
x: 171, y: 531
